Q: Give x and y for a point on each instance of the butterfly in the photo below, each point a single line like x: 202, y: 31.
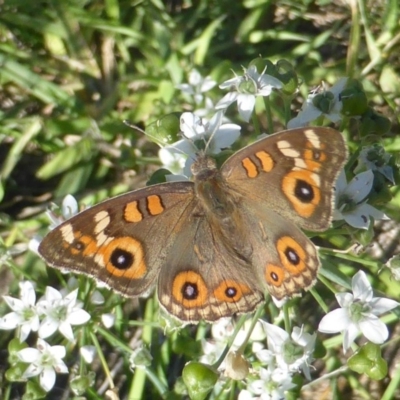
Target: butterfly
x: 215, y: 245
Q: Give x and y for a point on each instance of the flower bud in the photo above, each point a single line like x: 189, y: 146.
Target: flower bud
x: 199, y: 379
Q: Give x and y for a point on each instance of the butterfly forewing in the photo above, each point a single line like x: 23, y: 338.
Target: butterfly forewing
x: 292, y: 172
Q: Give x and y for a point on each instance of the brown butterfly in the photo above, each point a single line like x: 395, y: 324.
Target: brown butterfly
x: 214, y: 245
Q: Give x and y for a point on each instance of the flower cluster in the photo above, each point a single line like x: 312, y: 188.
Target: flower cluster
x: 53, y: 312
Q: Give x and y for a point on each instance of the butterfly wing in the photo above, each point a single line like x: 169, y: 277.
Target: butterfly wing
x: 123, y: 241
x: 286, y: 181
x: 293, y: 172
x: 157, y: 233
x: 282, y: 257
x: 204, y: 279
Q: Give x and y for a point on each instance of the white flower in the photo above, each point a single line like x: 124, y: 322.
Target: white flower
x: 60, y: 313
x: 197, y: 85
x: 24, y: 314
x: 88, y: 353
x: 45, y: 361
x: 272, y: 385
x: 108, y: 320
x: 291, y: 353
x: 359, y: 313
x: 173, y: 161
x: 309, y: 112
x: 69, y: 208
x: 247, y: 88
x: 350, y: 204
x: 212, y: 135
x: 375, y: 158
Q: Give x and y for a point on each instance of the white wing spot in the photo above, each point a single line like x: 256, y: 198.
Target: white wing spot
x: 67, y: 233
x: 313, y: 138
x: 103, y: 220
x: 287, y: 150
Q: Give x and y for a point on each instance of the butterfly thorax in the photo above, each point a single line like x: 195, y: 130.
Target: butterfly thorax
x: 211, y: 189
x: 220, y: 206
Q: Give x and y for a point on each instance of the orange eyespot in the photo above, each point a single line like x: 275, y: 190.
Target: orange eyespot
x: 292, y: 255
x: 274, y: 275
x: 123, y: 257
x: 231, y: 291
x: 189, y: 289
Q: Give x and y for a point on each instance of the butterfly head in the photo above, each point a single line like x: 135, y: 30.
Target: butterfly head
x: 203, y: 166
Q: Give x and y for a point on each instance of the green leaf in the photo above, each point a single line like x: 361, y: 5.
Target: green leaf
x: 66, y: 159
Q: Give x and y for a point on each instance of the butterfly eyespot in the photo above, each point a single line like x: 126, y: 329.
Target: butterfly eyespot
x: 292, y: 255
x: 301, y: 188
x: 274, y: 275
x: 231, y: 291
x: 121, y: 259
x: 81, y: 244
x: 304, y: 191
x: 189, y: 289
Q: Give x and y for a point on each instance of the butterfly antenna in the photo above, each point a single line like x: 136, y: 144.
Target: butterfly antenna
x: 217, y: 120
x: 128, y: 123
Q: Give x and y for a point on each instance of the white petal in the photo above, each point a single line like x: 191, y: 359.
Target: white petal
x: 29, y: 355
x: 374, y: 330
x: 344, y: 299
x: 71, y: 297
x: 341, y: 183
x: 357, y: 218
x: 349, y: 336
x: 360, y: 186
x: 88, y: 353
x: 231, y: 82
x: 276, y: 336
x: 25, y: 330
x: 32, y: 370
x: 10, y: 321
x: 42, y: 345
x: 226, y: 135
x: 338, y: 87
x: 34, y: 243
x: 60, y: 367
x: 215, y: 123
x: 78, y: 317
x: 362, y: 289
x: 47, y: 378
x: 69, y: 206
x: 97, y: 298
x: 28, y: 294
x: 52, y: 294
x: 335, y: 321
x: 207, y: 84
x: 191, y: 125
x: 57, y: 351
x: 15, y: 304
x: 373, y: 212
x: 47, y: 328
x: 380, y: 305
x: 186, y: 88
x: 245, y: 395
x: 108, y: 320
x: 226, y: 101
x: 66, y: 330
x: 246, y: 104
